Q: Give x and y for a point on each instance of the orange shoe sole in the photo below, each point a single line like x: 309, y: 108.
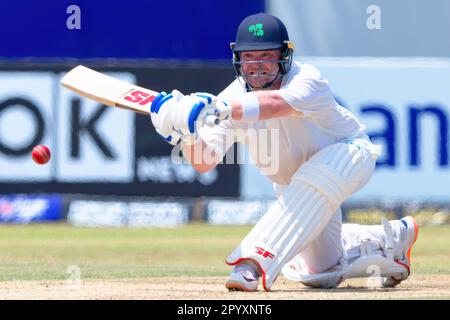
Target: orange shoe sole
x: 416, y: 233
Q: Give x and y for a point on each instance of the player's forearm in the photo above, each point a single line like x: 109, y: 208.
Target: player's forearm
x: 199, y: 156
x: 271, y: 105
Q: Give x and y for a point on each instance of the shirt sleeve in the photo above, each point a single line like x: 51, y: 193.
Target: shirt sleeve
x: 308, y: 92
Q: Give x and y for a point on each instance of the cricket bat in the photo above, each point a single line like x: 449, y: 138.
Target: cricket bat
x: 115, y: 93
x: 108, y: 90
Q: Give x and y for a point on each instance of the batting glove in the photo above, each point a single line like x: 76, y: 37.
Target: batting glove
x: 181, y: 114
x: 173, y: 137
x: 222, y: 110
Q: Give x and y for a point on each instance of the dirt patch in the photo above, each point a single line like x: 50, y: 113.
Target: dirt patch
x: 192, y: 288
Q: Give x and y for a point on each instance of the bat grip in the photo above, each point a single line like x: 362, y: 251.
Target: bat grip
x: 176, y: 135
x: 211, y: 120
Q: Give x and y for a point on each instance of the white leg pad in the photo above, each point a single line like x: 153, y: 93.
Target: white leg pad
x: 326, y: 280
x: 316, y: 191
x: 364, y: 267
x: 375, y: 265
x: 380, y: 263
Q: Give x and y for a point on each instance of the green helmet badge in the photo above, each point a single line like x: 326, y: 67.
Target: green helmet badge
x: 256, y: 29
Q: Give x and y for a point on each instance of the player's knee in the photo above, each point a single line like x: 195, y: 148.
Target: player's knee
x: 337, y: 171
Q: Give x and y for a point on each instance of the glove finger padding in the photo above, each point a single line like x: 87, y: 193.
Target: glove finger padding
x: 155, y: 104
x: 173, y: 137
x: 191, y: 113
x: 166, y: 108
x: 207, y: 98
x: 222, y: 109
x: 182, y: 114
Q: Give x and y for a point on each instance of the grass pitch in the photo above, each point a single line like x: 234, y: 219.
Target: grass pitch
x: 56, y: 251
x: 40, y: 252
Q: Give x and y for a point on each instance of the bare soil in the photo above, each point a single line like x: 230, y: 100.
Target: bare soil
x: 205, y: 288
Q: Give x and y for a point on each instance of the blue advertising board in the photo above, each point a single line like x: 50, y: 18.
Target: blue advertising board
x: 30, y: 208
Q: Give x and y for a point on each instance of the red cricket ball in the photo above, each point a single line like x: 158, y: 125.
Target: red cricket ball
x: 41, y: 154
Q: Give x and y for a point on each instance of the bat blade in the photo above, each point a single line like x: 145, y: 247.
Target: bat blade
x: 108, y: 90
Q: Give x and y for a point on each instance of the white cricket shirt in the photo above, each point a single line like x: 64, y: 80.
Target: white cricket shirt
x: 280, y: 146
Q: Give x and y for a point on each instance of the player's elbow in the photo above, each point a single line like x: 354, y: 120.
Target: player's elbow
x: 204, y: 168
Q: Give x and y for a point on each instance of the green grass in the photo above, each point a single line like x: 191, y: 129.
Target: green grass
x: 431, y: 253
x: 44, y: 252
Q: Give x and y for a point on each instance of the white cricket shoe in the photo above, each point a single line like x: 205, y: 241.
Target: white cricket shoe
x: 405, y: 232
x: 244, y: 277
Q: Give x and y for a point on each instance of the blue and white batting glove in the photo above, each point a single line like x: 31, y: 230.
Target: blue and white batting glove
x: 174, y: 137
x: 222, y: 109
x: 184, y: 114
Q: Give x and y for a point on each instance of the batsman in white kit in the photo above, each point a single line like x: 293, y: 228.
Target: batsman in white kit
x: 326, y: 157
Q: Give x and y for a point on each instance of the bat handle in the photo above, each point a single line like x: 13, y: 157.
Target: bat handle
x: 211, y: 120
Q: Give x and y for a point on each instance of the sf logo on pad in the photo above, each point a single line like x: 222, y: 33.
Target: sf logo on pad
x: 265, y: 253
